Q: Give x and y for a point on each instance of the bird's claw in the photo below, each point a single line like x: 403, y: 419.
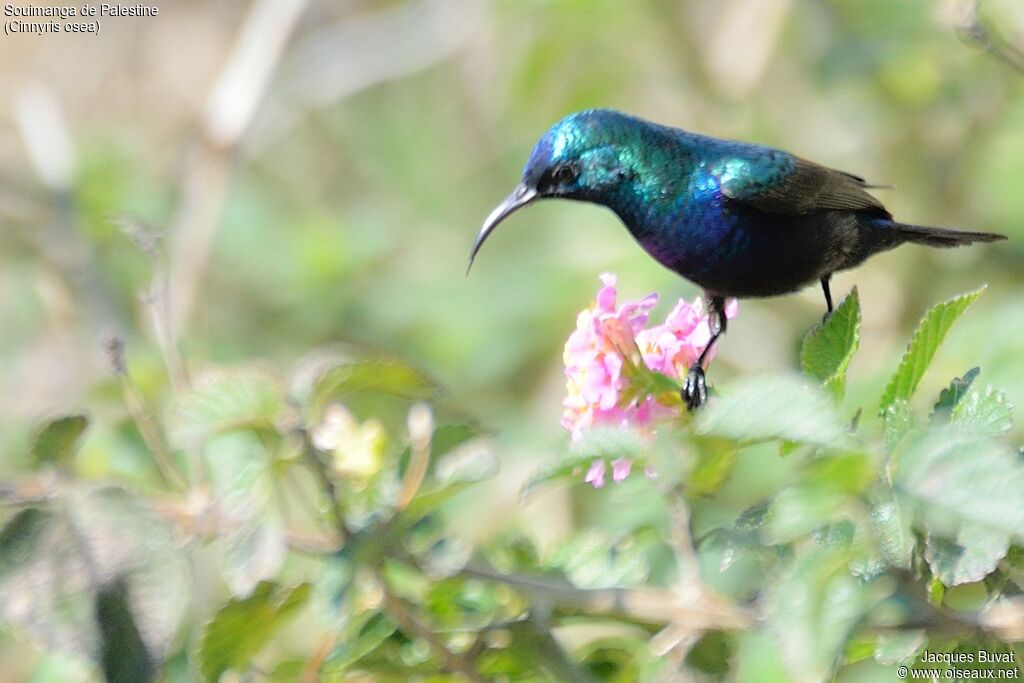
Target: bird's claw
x: 695, y: 389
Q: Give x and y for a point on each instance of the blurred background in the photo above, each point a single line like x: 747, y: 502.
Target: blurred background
x: 285, y: 175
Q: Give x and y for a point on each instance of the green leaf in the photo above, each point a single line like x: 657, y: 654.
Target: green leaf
x: 923, y: 346
x: 973, y: 555
x: 467, y: 464
x: 892, y: 528
x: 757, y: 660
x: 800, y: 509
x: 57, y: 440
x: 953, y: 478
x: 951, y: 395
x: 332, y: 374
x: 716, y: 459
x: 828, y: 488
x: 95, y: 574
x: 244, y: 626
x: 366, y: 635
x: 125, y: 658
x: 829, y: 347
x: 228, y: 400
x: 899, y: 420
x: 597, y: 444
x: 594, y: 559
x: 899, y: 647
x: 985, y: 412
x: 812, y: 611
x: 774, y: 407
x: 241, y: 477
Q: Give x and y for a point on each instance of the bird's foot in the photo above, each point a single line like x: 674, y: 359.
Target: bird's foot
x: 824, y: 318
x: 695, y: 389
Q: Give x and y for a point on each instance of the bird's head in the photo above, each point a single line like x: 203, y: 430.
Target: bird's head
x: 581, y: 157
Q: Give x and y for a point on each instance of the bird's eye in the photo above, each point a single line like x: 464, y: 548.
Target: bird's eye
x: 564, y: 174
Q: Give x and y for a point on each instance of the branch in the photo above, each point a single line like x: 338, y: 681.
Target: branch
x: 229, y: 113
x: 978, y: 32
x: 401, y: 612
x: 151, y: 433
x: 421, y: 428
x: 158, y: 299
x: 339, y: 60
x: 327, y: 483
x: 688, y: 566
x: 648, y: 605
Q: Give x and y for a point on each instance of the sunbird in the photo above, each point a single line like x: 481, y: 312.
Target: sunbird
x: 736, y: 218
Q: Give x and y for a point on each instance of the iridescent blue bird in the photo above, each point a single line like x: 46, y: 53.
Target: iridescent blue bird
x: 738, y: 219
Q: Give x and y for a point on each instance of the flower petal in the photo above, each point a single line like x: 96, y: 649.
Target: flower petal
x: 595, y: 475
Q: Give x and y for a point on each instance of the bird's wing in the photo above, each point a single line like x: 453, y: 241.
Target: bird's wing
x: 779, y: 183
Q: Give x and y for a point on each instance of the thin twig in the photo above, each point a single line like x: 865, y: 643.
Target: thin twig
x: 311, y: 674
x: 158, y: 299
x: 401, y: 612
x: 687, y: 564
x: 334, y: 61
x: 229, y: 112
x: 421, y: 428
x: 978, y: 32
x: 677, y: 639
x: 151, y: 433
x: 327, y: 483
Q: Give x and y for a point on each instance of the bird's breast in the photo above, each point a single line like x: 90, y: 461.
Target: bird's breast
x: 686, y: 225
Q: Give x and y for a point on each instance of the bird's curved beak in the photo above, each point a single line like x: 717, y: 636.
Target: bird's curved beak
x: 520, y: 197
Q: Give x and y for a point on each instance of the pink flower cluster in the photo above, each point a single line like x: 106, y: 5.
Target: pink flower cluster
x: 607, y: 336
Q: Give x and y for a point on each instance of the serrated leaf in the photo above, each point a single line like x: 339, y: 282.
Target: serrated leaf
x: 798, y: 510
x: 57, y: 440
x: 593, y: 559
x: 774, y: 407
x: 892, y: 528
x: 899, y: 647
x: 952, y: 478
x: 972, y: 555
x: 827, y: 489
x: 241, y: 479
x: 469, y: 463
x: 371, y: 374
x: 244, y: 626
x: 228, y: 400
x: 985, y: 412
x: 899, y: 420
x: 951, y: 395
x: 812, y: 611
x: 754, y: 517
x: 94, y: 553
x: 367, y: 634
x: 923, y: 345
x: 326, y: 374
x: 828, y: 348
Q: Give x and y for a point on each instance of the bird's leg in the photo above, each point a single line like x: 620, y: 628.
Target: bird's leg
x: 828, y: 296
x: 695, y: 390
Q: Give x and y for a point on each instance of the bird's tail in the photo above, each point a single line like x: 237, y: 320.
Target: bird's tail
x: 943, y: 237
